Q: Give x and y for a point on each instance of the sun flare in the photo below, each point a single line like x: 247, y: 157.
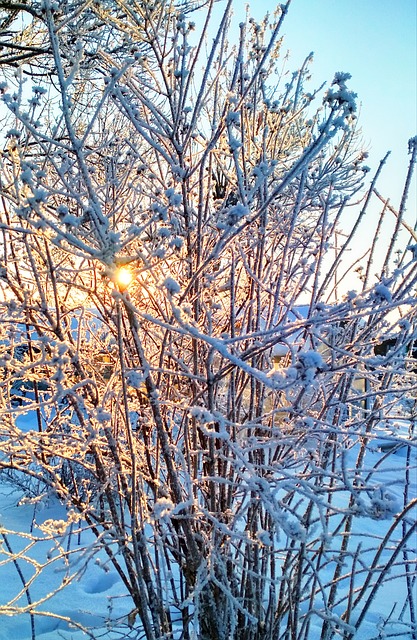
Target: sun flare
x: 123, y: 277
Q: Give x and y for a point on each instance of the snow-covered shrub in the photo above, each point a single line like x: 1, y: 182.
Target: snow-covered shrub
x: 227, y: 496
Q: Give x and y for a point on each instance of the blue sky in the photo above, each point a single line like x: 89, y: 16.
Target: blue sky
x: 375, y: 41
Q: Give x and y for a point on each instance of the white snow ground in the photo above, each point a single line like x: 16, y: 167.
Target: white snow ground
x: 98, y: 594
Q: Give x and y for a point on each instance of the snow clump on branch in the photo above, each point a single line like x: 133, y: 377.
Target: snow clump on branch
x: 171, y: 286
x: 384, y: 504
x: 382, y: 293
x: 309, y: 364
x: 342, y: 97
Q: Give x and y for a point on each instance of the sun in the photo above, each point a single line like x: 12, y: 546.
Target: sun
x: 123, y: 277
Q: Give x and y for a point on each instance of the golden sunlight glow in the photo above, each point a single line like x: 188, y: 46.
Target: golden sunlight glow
x: 123, y: 277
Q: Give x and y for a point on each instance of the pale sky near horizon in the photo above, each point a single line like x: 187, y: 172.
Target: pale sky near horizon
x: 376, y: 42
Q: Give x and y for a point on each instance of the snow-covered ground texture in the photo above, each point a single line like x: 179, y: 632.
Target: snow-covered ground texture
x: 47, y: 562
x: 89, y: 600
